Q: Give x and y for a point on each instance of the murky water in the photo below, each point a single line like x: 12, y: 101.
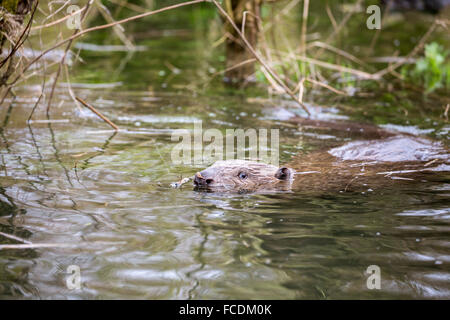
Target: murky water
x: 105, y: 197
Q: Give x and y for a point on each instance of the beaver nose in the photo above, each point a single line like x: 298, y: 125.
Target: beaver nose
x: 199, y: 180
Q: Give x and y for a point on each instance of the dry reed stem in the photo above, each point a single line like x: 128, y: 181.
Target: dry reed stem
x: 19, y: 42
x: 304, y: 26
x: 87, y: 105
x: 283, y: 12
x: 232, y: 67
x: 343, y: 22
x: 129, y: 5
x: 376, y: 76
x: 61, y: 63
x: 413, y: 52
x: 100, y: 27
x: 331, y: 16
x: 326, y: 86
x: 118, y: 29
x: 338, y: 51
x: 331, y: 66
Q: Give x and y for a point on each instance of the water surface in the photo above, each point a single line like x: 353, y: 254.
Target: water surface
x: 106, y: 195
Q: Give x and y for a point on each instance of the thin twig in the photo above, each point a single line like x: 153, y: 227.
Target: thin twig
x: 59, y: 20
x: 301, y: 89
x: 118, y: 29
x: 104, y: 26
x: 4, y: 166
x: 129, y: 5
x: 84, y: 103
x: 326, y: 86
x: 336, y: 67
x: 240, y: 64
x: 385, y: 14
x: 330, y: 15
x: 304, y: 26
x: 22, y: 36
x: 37, y: 102
x: 288, y: 8
x: 343, y: 22
x: 54, y: 13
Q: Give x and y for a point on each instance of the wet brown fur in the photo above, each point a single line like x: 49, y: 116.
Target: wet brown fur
x: 385, y: 159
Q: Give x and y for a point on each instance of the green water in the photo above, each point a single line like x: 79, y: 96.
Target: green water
x: 106, y: 195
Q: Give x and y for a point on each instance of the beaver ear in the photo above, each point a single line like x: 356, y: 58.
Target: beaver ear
x: 283, y: 173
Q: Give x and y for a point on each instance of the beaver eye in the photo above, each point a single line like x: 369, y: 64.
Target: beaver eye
x: 242, y: 175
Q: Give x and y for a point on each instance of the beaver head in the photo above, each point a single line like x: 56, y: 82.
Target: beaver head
x: 242, y: 176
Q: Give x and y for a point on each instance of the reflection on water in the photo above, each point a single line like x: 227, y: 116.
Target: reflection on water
x: 106, y: 195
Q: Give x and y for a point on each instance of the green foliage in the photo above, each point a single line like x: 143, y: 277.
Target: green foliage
x: 9, y: 5
x: 432, y: 71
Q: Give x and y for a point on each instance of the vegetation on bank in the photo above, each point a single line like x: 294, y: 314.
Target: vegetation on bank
x: 291, y: 48
x: 432, y: 70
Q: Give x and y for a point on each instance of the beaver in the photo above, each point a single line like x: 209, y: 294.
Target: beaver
x: 362, y: 165
x: 244, y: 175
